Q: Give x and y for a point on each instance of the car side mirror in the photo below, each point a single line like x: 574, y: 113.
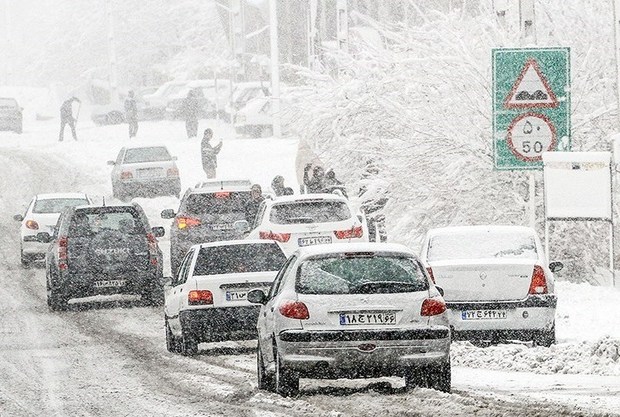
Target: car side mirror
x: 167, y: 281
x: 44, y: 237
x: 168, y: 214
x: 241, y: 226
x: 158, y: 231
x: 257, y: 297
x: 18, y: 217
x: 440, y: 290
x: 111, y: 163
x: 556, y: 266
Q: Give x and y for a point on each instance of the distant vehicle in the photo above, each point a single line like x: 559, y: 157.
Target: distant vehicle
x: 103, y: 250
x: 41, y: 216
x: 242, y: 94
x: 255, y: 119
x: 212, y: 97
x: 144, y: 170
x: 208, y: 298
x: 309, y: 219
x: 154, y: 104
x: 10, y: 115
x: 497, y: 283
x: 352, y: 311
x: 207, y: 213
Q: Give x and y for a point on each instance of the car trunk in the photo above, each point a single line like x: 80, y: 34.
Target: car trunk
x: 231, y: 290
x: 307, y: 234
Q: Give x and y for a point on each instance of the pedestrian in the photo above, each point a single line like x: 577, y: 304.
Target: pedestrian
x: 189, y: 111
x: 131, y: 114
x: 316, y: 183
x: 331, y: 184
x: 66, y: 117
x: 374, y: 199
x: 209, y: 153
x: 253, y: 204
x: 277, y: 185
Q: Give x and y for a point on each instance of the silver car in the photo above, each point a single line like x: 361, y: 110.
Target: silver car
x: 352, y: 311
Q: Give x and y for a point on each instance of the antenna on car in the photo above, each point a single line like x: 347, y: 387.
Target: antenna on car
x: 103, y: 198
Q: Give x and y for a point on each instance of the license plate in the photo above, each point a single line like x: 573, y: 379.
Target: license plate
x: 150, y: 173
x: 484, y: 315
x: 236, y: 295
x: 347, y: 319
x: 318, y: 240
x: 111, y: 283
x: 222, y: 226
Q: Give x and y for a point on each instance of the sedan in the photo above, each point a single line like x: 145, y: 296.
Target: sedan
x: 352, y: 311
x: 497, y: 283
x: 10, y: 115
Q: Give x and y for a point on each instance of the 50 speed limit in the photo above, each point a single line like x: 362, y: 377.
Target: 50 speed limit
x: 531, y: 134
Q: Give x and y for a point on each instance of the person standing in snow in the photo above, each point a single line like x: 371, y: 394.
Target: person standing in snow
x: 131, y: 114
x: 374, y: 198
x: 189, y: 111
x: 331, y: 184
x: 66, y: 117
x: 209, y: 153
x: 316, y: 183
x: 277, y: 185
x: 252, y: 205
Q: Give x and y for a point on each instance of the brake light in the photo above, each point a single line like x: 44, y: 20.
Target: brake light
x: 294, y: 310
x: 126, y: 175
x: 63, y: 244
x: 172, y: 172
x: 354, y: 232
x: 432, y: 307
x: 199, y: 297
x: 152, y: 241
x: 32, y: 225
x: 539, y: 281
x: 430, y: 273
x: 187, y: 222
x: 279, y: 237
x: 222, y: 194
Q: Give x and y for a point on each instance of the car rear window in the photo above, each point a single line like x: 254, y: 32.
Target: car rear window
x: 57, y: 205
x: 8, y: 102
x: 482, y: 245
x: 153, y: 154
x: 319, y: 211
x: 216, y: 203
x: 239, y: 258
x: 87, y: 222
x: 360, y: 274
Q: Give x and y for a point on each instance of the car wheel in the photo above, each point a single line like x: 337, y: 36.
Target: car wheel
x: 416, y: 377
x: 266, y: 381
x: 189, y: 344
x: 545, y: 338
x: 56, y: 300
x: 153, y: 297
x: 286, y: 380
x: 171, y: 342
x: 440, y: 377
x: 19, y: 130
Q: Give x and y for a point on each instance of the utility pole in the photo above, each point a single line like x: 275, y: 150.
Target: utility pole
x: 112, y: 64
x: 7, y: 38
x: 617, y: 49
x: 342, y: 25
x: 500, y: 7
x: 312, y: 34
x: 275, y: 69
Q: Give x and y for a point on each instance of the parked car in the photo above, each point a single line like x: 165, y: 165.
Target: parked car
x: 154, y: 104
x: 309, y: 219
x: 41, y: 216
x: 242, y: 94
x: 255, y: 119
x: 497, y: 283
x: 352, y: 311
x: 211, y: 96
x: 207, y: 213
x: 207, y: 301
x: 103, y: 250
x: 10, y: 115
x: 144, y: 170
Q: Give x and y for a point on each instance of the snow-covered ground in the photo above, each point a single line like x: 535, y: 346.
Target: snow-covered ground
x: 112, y: 361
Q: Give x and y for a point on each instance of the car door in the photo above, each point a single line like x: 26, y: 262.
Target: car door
x: 174, y: 297
x: 116, y: 170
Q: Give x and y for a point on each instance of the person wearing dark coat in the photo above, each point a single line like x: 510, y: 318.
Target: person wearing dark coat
x: 252, y: 205
x: 189, y: 111
x: 331, y: 183
x: 373, y: 206
x: 209, y: 153
x: 66, y: 117
x: 316, y: 183
x: 277, y: 185
x: 131, y: 114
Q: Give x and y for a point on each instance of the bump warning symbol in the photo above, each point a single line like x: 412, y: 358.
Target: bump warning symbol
x: 531, y: 89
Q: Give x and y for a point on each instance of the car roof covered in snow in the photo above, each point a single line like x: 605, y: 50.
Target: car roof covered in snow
x: 442, y: 231
x: 306, y: 197
x: 234, y: 242
x: 53, y: 196
x: 223, y: 185
x: 136, y: 146
x: 341, y: 248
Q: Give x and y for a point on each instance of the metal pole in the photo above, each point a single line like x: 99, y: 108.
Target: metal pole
x: 7, y: 38
x: 612, y: 243
x: 617, y: 50
x: 532, y: 200
x: 275, y: 69
x: 113, y: 69
x: 527, y: 19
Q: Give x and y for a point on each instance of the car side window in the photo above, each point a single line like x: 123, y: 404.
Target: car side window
x: 184, y: 269
x: 277, y: 282
x: 119, y: 158
x: 259, y: 216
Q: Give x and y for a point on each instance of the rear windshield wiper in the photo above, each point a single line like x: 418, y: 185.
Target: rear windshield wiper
x: 372, y: 287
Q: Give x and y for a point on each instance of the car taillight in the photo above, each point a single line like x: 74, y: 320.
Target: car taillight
x: 126, y: 175
x: 32, y: 225
x: 354, y: 232
x: 187, y: 222
x: 430, y: 274
x: 432, y: 307
x: 172, y: 172
x: 63, y: 244
x: 152, y: 241
x: 294, y: 310
x: 199, y: 297
x: 539, y: 281
x: 279, y: 237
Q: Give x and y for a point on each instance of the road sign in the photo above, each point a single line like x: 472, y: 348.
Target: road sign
x: 531, y: 105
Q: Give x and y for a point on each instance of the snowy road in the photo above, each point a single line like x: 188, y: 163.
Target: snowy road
x: 111, y: 360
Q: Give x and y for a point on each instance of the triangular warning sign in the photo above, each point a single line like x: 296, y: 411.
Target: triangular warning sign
x: 531, y: 89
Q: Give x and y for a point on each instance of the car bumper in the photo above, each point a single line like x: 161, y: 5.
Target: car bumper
x: 165, y: 186
x: 34, y: 248
x: 220, y: 324
x: 334, y: 354
x: 87, y: 285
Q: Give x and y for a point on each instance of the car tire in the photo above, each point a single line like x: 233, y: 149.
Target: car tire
x: 266, y: 381
x: 286, y: 380
x: 545, y: 338
x: 440, y: 377
x: 154, y: 297
x: 19, y: 130
x: 171, y: 341
x: 56, y: 300
x: 188, y: 344
x: 416, y: 377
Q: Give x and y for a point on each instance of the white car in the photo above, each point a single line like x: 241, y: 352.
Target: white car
x: 496, y: 282
x: 309, y: 219
x: 41, y: 216
x: 352, y: 311
x: 207, y: 300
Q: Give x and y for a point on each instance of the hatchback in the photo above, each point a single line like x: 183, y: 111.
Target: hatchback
x: 357, y: 310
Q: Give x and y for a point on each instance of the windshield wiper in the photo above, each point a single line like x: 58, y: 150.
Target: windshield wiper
x: 372, y: 287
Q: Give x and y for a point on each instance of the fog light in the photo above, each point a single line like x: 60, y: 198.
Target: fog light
x: 526, y: 314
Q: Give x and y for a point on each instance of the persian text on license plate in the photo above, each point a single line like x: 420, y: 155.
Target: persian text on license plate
x: 483, y: 315
x: 367, y: 318
x: 222, y: 226
x: 109, y: 284
x: 150, y: 173
x: 318, y: 240
x: 236, y: 295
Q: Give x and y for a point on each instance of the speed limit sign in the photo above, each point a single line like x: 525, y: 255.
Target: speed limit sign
x: 531, y: 134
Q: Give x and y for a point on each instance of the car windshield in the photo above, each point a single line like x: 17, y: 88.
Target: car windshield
x: 360, y: 274
x: 482, y: 245
x: 216, y: 203
x: 90, y: 222
x: 57, y: 205
x: 8, y: 102
x: 316, y: 211
x: 232, y: 259
x: 151, y: 154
